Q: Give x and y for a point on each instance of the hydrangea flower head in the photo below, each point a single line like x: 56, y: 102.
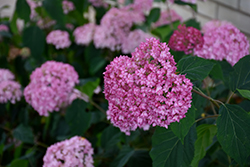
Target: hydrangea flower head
x: 115, y: 27
x: 222, y: 40
x: 50, y: 86
x: 84, y: 34
x: 167, y: 17
x: 59, y: 38
x: 133, y: 40
x: 3, y: 27
x: 145, y: 90
x: 67, y: 6
x: 99, y: 3
x: 76, y: 151
x: 186, y: 39
x: 9, y: 90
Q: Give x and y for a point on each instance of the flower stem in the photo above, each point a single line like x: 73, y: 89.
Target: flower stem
x: 215, y: 102
x: 229, y: 97
x: 210, y: 116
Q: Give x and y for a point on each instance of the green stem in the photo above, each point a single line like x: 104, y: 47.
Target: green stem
x: 229, y: 97
x: 215, y: 102
x: 97, y: 106
x: 210, y: 116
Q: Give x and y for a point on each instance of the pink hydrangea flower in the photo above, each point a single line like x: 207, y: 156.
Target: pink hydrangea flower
x: 167, y: 17
x: 99, y: 3
x: 222, y: 40
x: 33, y: 5
x: 67, y: 6
x: 145, y: 90
x: 76, y: 151
x: 59, y: 38
x: 84, y: 34
x: 133, y: 40
x: 6, y: 75
x: 4, y: 28
x: 9, y: 89
x: 115, y: 27
x: 141, y: 6
x: 186, y: 39
x: 50, y: 87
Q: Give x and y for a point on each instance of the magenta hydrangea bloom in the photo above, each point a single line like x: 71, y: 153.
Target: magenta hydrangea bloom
x: 9, y: 90
x: 59, y: 38
x: 222, y: 40
x: 145, y: 90
x: 186, y: 39
x: 76, y: 151
x: 133, y: 40
x: 50, y: 87
x: 167, y: 17
x: 115, y: 27
x: 3, y: 27
x: 84, y: 34
x: 67, y: 6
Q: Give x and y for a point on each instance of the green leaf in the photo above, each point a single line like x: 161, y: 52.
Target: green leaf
x: 110, y: 137
x: 140, y: 158
x: 153, y: 15
x: 34, y: 38
x: 165, y: 31
x: 77, y: 118
x: 19, y: 162
x: 13, y: 25
x: 196, y: 68
x: 23, y: 10
x: 24, y: 133
x: 240, y: 77
x: 192, y: 23
x: 123, y: 157
x: 233, y: 132
x: 193, y: 6
x: 1, y: 149
x: 244, y: 93
x: 205, y: 134
x: 54, y: 9
x: 89, y: 87
x: 167, y: 149
x: 216, y: 72
x: 181, y: 128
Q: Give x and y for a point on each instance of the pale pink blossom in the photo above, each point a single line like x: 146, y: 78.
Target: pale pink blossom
x: 4, y: 28
x: 222, y: 40
x: 115, y: 27
x: 50, y: 87
x: 145, y: 90
x: 59, y: 38
x: 133, y: 40
x: 186, y: 39
x: 167, y: 17
x: 99, y: 3
x: 67, y: 6
x: 76, y: 151
x: 9, y: 90
x: 84, y: 34
x: 33, y: 5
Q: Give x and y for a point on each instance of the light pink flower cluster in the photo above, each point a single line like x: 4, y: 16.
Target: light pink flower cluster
x: 187, y: 1
x: 4, y: 28
x: 99, y: 3
x: 167, y: 17
x: 76, y: 151
x: 67, y: 6
x: 145, y: 90
x: 186, y: 39
x: 142, y: 5
x: 222, y: 40
x: 133, y: 40
x: 84, y: 34
x: 33, y: 5
x: 9, y: 90
x: 115, y: 27
x: 50, y: 86
x: 59, y: 38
